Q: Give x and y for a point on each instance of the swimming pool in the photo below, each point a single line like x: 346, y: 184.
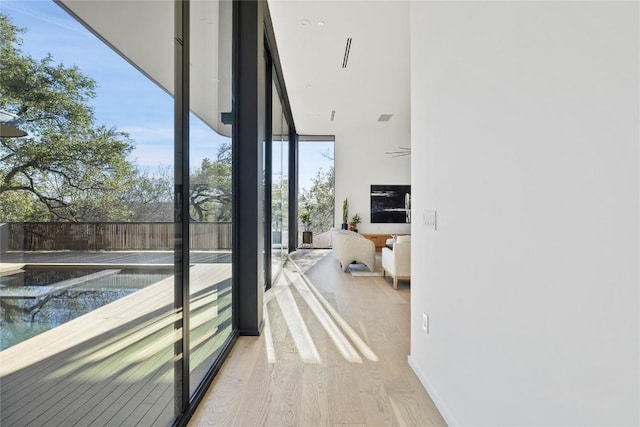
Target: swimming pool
x: 36, y: 299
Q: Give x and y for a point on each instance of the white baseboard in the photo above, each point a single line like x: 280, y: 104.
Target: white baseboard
x: 442, y: 407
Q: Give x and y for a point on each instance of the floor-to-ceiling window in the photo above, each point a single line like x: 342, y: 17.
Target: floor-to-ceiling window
x: 315, y: 191
x: 284, y: 189
x: 121, y: 185
x: 279, y: 180
x: 210, y: 192
x: 276, y: 182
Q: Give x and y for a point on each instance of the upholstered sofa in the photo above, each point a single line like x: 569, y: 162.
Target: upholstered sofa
x: 397, y: 260
x: 349, y: 246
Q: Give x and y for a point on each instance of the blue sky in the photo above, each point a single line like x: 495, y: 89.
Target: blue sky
x: 125, y: 99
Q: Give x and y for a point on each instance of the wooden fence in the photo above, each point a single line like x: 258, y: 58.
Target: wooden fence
x: 114, y: 236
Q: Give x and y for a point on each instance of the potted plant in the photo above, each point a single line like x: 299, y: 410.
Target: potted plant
x: 305, y: 219
x: 345, y: 214
x: 355, y: 220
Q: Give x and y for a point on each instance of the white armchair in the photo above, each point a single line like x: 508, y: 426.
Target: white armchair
x: 349, y: 246
x: 397, y: 261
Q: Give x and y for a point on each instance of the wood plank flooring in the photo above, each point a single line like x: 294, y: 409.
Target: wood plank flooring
x: 276, y: 380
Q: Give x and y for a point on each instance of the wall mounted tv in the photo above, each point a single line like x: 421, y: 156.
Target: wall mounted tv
x: 391, y: 204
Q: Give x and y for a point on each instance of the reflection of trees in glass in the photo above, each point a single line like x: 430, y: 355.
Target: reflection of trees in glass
x: 22, y: 319
x: 59, y: 307
x: 67, y: 167
x: 27, y: 310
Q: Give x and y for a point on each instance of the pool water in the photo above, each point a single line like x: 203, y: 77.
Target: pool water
x: 36, y: 300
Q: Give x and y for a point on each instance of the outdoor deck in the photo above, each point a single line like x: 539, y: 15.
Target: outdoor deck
x: 114, y: 364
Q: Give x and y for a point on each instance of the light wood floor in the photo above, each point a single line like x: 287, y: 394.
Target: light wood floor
x: 301, y: 372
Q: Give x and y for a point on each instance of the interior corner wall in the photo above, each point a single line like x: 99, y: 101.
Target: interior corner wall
x: 525, y: 129
x: 360, y: 161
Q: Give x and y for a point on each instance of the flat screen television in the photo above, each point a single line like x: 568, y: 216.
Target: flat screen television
x: 391, y: 204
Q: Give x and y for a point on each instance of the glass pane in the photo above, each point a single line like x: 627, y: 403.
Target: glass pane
x: 316, y: 193
x: 88, y: 339
x: 285, y: 189
x: 276, y: 184
x: 210, y: 184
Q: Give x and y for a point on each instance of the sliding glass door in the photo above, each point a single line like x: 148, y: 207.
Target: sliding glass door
x: 210, y: 185
x: 279, y: 181
x: 121, y: 183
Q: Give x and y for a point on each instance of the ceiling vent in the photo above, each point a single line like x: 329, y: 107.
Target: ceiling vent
x: 347, y: 49
x: 333, y: 115
x: 384, y: 117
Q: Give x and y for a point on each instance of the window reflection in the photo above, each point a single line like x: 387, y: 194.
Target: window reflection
x: 210, y: 186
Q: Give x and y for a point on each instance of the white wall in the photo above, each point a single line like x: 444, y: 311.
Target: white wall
x: 360, y: 161
x: 525, y: 140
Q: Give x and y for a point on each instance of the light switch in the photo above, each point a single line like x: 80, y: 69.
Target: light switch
x: 429, y: 220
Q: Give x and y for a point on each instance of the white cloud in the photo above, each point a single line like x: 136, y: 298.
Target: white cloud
x: 145, y: 133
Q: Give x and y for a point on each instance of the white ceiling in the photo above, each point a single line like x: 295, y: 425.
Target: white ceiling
x: 142, y: 32
x: 376, y: 80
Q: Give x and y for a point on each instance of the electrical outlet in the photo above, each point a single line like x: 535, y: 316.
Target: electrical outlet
x: 425, y: 322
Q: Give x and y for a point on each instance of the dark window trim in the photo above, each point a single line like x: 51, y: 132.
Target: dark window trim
x: 186, y: 405
x: 181, y: 201
x: 246, y: 253
x: 249, y: 134
x: 268, y: 169
x: 272, y: 48
x: 293, y: 191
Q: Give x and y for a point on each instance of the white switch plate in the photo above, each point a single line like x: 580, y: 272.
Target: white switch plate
x: 429, y: 220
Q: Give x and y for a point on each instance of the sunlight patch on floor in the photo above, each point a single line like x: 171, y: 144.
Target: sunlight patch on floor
x: 347, y: 329
x: 299, y: 332
x: 268, y: 337
x: 347, y: 341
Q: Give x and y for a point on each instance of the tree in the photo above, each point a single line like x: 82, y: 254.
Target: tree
x: 210, y: 189
x: 319, y: 199
x: 150, y: 197
x: 18, y: 206
x: 67, y: 165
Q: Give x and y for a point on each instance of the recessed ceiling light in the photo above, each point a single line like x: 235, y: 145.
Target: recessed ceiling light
x: 305, y: 22
x: 320, y: 23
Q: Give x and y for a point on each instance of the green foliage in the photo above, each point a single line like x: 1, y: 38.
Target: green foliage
x: 306, y: 214
x: 150, y: 197
x: 67, y: 165
x: 319, y: 201
x: 356, y: 219
x: 20, y: 206
x: 210, y: 194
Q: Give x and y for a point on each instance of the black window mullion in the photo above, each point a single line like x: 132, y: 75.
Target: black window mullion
x: 181, y: 174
